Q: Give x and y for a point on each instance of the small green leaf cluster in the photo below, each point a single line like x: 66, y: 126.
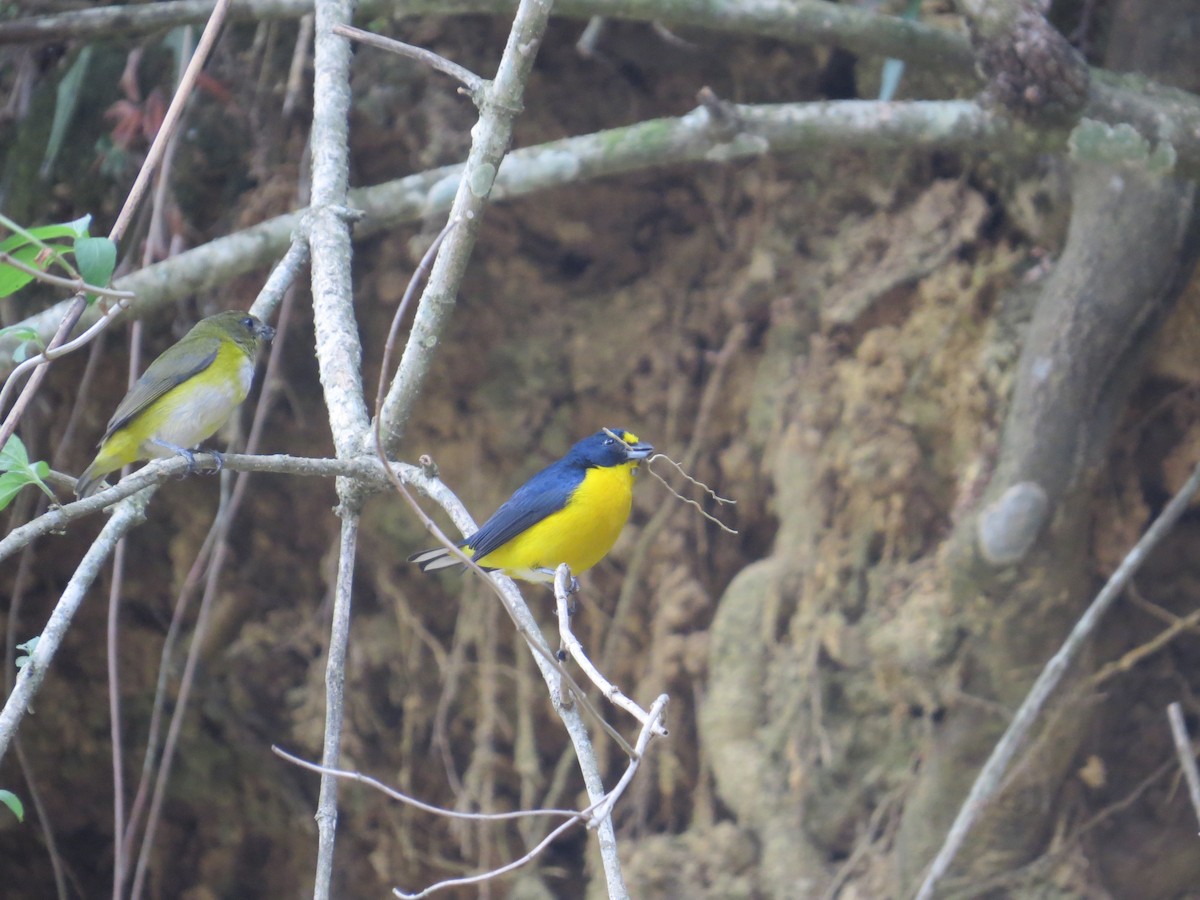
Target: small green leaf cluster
x: 49, y: 245
x: 16, y: 471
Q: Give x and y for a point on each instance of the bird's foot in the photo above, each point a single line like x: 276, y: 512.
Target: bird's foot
x: 219, y: 459
x: 550, y: 575
x: 182, y: 451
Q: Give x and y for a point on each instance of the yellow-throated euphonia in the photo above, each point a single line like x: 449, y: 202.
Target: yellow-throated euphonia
x: 570, y: 512
x: 184, y: 396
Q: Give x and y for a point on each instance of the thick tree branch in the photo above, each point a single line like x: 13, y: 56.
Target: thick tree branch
x: 339, y: 358
x: 1100, y: 307
x: 800, y: 21
x: 991, y: 777
x: 1030, y: 67
x: 693, y: 138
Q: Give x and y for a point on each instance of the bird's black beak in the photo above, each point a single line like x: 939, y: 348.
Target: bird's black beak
x: 640, y: 450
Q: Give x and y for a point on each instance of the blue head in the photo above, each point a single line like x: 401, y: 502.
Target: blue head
x: 609, y: 447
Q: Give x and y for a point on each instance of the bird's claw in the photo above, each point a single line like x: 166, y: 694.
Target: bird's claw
x: 219, y: 459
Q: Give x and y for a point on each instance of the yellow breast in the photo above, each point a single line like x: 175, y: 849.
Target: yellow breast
x: 195, y: 410
x: 580, y: 534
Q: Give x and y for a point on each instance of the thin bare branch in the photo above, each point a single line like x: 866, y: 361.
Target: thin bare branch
x: 1130, y: 659
x: 1187, y: 755
x: 295, y: 81
x: 597, y: 815
x: 389, y: 346
x: 420, y: 804
x: 651, y: 727
x: 474, y: 84
x: 495, y: 873
x: 365, y: 469
x: 490, y: 139
x: 128, y: 513
x: 688, y: 500
x: 75, y: 285
x: 142, y: 869
x: 335, y: 680
x: 120, y: 860
x: 562, y: 588
x: 158, y: 147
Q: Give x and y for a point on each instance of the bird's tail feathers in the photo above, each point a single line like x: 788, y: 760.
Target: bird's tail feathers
x: 437, y: 558
x: 92, y: 480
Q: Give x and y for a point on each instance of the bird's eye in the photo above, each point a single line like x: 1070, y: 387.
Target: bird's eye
x: 608, y: 442
x: 248, y: 322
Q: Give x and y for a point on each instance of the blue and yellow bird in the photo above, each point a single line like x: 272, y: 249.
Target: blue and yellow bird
x: 570, y: 512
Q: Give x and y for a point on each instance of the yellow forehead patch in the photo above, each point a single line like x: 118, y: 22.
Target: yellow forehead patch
x: 627, y: 437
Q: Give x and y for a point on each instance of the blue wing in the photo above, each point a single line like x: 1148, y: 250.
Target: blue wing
x: 546, y: 492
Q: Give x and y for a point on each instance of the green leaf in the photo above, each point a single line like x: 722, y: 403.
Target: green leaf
x: 28, y: 337
x: 37, y: 472
x: 35, y: 247
x: 79, y: 227
x: 13, y: 279
x: 44, y: 233
x: 96, y: 259
x: 10, y: 485
x: 13, y: 802
x: 30, y: 645
x: 20, y: 333
x: 65, y: 103
x: 14, y: 455
x: 18, y: 472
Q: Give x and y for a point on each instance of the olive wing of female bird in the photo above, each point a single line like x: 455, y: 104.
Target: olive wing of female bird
x: 162, y: 375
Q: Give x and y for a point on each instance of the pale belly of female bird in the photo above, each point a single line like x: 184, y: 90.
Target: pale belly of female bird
x: 205, y: 409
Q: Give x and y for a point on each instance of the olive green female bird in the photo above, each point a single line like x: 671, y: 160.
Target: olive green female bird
x: 184, y: 396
